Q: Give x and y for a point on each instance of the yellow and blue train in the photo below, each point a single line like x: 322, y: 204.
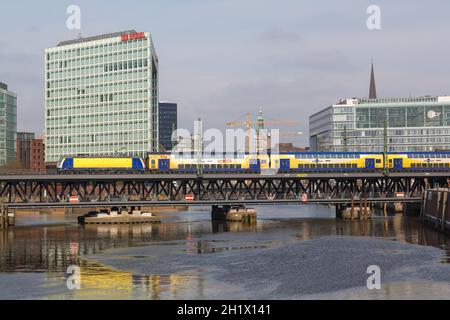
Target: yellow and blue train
x: 248, y: 163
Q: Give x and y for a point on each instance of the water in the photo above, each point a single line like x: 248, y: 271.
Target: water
x: 292, y: 252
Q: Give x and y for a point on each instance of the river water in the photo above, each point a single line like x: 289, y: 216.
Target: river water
x: 292, y: 252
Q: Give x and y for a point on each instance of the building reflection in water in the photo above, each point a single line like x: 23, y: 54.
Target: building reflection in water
x: 51, y: 249
x: 96, y: 279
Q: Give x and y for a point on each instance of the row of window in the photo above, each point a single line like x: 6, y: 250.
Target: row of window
x: 90, y: 92
x: 96, y: 128
x: 90, y: 50
x: 95, y: 98
x: 94, y: 60
x: 110, y: 119
x: 328, y: 156
x: 100, y: 79
x: 98, y: 109
x: 429, y: 165
x: 89, y: 73
x: 404, y: 141
x: 330, y: 166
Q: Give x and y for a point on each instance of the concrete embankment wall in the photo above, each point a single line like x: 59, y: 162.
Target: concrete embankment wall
x: 435, y: 209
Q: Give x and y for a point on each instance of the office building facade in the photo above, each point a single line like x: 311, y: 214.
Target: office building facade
x: 101, y: 96
x: 167, y: 124
x: 30, y: 152
x: 358, y: 125
x: 8, y: 125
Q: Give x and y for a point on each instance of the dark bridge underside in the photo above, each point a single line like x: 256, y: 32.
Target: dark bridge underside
x: 145, y: 189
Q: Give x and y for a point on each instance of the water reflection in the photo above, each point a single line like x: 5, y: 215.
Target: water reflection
x: 51, y: 249
x: 96, y: 279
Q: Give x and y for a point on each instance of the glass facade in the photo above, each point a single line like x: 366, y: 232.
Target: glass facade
x: 8, y: 125
x: 101, y: 96
x: 357, y: 125
x: 167, y: 124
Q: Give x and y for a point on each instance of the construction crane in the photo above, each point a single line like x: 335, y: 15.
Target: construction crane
x: 259, y: 124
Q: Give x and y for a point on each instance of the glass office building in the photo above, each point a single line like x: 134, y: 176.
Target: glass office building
x: 167, y: 124
x: 8, y: 125
x: 357, y: 125
x: 101, y: 96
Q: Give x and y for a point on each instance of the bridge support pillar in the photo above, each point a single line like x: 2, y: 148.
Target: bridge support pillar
x: 233, y: 213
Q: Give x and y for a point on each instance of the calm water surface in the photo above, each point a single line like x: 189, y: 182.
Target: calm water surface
x: 291, y: 252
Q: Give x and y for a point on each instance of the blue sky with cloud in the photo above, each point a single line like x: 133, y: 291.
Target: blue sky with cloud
x: 220, y: 59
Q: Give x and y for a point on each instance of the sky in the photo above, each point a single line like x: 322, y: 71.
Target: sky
x: 219, y: 59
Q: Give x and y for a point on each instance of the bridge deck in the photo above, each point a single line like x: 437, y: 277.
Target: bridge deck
x: 140, y: 177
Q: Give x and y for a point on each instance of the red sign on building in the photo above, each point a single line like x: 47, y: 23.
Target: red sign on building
x: 132, y: 36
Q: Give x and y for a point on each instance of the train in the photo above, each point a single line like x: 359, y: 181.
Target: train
x: 301, y: 162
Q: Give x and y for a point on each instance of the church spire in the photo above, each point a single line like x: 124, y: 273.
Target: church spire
x: 373, y: 89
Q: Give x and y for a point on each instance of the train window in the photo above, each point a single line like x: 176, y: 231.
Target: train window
x: 446, y: 165
x: 307, y: 166
x: 153, y: 161
x: 232, y: 166
x: 354, y: 166
x: 300, y: 166
x: 219, y: 166
x: 319, y: 166
x: 342, y: 165
x: 188, y: 166
x: 213, y: 166
x: 413, y: 165
x: 238, y: 166
x: 378, y: 161
x: 206, y: 166
x: 180, y: 166
x: 226, y: 166
x: 194, y: 166
x: 441, y: 165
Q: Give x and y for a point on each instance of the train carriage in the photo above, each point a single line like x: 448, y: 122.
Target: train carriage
x: 327, y: 162
x: 208, y: 163
x: 418, y: 161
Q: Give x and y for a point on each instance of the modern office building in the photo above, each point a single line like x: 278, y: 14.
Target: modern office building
x: 353, y: 125
x: 8, y: 124
x: 30, y: 152
x: 101, y: 96
x: 167, y: 124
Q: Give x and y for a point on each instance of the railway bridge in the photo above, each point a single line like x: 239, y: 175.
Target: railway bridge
x: 55, y: 190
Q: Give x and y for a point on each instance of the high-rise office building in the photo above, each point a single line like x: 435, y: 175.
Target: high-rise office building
x: 167, y: 124
x: 30, y: 152
x: 8, y: 124
x: 101, y: 96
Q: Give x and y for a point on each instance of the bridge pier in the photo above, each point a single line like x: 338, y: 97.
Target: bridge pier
x: 233, y: 213
x: 7, y: 217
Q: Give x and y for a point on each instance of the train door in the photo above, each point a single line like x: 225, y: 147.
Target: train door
x: 164, y: 164
x: 285, y: 164
x: 370, y: 164
x: 398, y: 163
x: 255, y: 164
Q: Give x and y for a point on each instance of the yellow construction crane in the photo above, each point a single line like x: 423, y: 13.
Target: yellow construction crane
x: 259, y: 123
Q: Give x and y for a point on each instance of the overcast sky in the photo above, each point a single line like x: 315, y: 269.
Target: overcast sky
x: 222, y: 58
